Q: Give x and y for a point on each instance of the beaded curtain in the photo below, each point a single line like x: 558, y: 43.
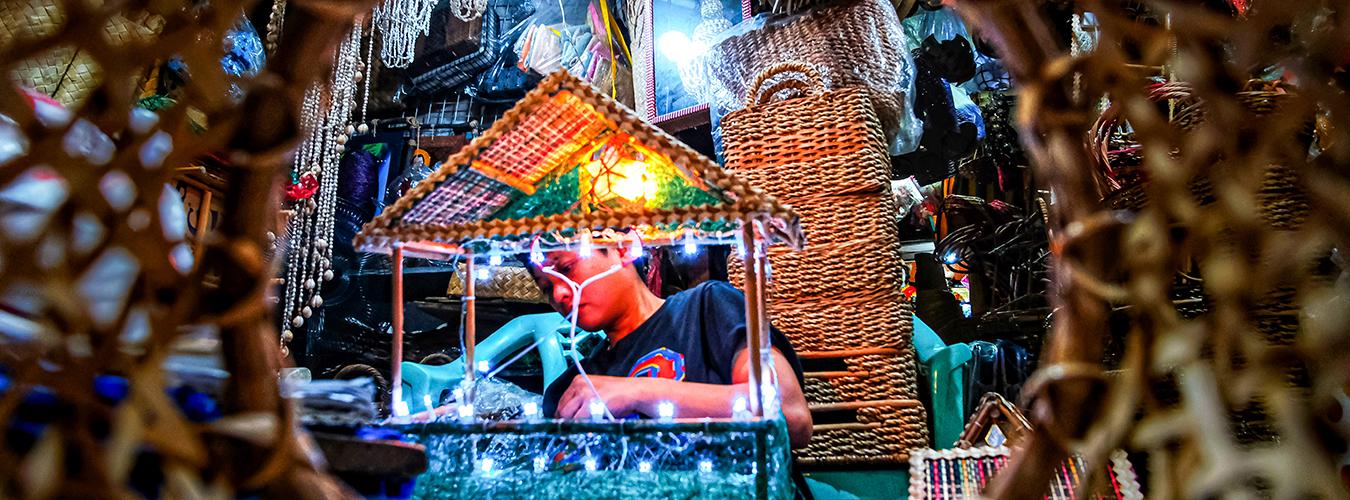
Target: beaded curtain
x: 97, y: 273
x: 1184, y: 376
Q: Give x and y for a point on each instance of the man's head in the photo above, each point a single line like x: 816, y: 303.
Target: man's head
x: 602, y: 302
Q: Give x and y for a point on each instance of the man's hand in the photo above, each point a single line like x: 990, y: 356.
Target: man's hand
x: 623, y: 395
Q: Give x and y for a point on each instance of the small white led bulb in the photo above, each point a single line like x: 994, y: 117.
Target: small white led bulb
x: 740, y: 408
x: 540, y: 463
x: 705, y: 466
x: 584, y: 249
x: 690, y: 246
x: 644, y: 467
x: 590, y: 464
x: 483, y: 366
x: 597, y: 410
x: 530, y: 409
x: 486, y: 465
x: 465, y: 412
x: 665, y: 410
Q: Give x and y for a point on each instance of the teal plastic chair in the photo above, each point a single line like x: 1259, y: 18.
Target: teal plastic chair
x: 548, y: 331
x: 945, y: 366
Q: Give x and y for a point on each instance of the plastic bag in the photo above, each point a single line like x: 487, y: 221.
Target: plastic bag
x: 858, y: 43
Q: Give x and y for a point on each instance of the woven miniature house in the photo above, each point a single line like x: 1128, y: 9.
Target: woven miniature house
x: 569, y: 168
x: 566, y: 158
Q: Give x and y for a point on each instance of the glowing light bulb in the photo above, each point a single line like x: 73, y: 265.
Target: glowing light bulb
x: 690, y: 246
x: 495, y: 260
x: 530, y: 409
x: 486, y: 465
x: 665, y: 410
x: 644, y: 467
x: 597, y: 410
x: 482, y: 274
x: 679, y: 48
x: 635, y: 249
x: 482, y: 366
x: 740, y: 408
x: 536, y: 256
x: 705, y: 466
x: 540, y: 463
x: 584, y: 250
x: 590, y: 464
x: 401, y: 409
x: 950, y: 258
x: 769, y: 391
x: 465, y: 412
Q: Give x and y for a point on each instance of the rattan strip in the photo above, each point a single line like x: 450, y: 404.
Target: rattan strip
x: 893, y: 432
x: 880, y: 377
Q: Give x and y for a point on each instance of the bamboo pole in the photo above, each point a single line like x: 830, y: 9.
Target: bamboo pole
x: 470, y: 324
x: 752, y: 324
x: 396, y: 351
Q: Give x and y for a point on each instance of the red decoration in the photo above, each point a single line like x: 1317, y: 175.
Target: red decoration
x: 308, y: 185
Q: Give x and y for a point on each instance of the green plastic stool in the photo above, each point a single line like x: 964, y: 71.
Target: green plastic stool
x: 945, y: 366
x: 548, y: 331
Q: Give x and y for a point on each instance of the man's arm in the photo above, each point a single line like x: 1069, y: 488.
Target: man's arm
x: 624, y: 395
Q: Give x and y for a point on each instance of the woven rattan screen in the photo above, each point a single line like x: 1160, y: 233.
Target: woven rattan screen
x: 1267, y: 255
x: 96, y: 271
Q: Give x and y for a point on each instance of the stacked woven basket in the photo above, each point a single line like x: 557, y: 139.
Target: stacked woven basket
x: 839, y: 301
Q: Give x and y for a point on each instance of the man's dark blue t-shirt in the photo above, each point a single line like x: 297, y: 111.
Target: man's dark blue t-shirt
x: 693, y: 337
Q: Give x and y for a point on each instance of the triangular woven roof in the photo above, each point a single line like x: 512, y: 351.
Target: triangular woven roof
x: 567, y: 157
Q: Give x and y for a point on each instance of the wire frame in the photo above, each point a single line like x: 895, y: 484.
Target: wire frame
x: 1184, y: 374
x: 96, y: 270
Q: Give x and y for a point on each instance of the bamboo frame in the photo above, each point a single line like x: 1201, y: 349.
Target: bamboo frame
x: 396, y: 348
x: 754, y: 306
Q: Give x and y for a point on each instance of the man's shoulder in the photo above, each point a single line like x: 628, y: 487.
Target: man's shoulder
x: 719, y: 290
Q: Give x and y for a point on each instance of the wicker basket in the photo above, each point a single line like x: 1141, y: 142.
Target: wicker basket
x: 1283, y: 202
x: 819, y: 143
x: 873, y: 320
x: 860, y: 375
x: 507, y: 282
x: 64, y: 73
x: 882, y: 434
x: 864, y: 265
x: 829, y: 220
x: 855, y: 43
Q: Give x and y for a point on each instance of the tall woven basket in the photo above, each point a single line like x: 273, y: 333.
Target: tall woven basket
x: 839, y: 301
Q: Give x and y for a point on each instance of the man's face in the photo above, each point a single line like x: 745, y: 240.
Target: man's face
x: 601, y: 301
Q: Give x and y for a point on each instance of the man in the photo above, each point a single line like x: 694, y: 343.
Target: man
x: 688, y: 349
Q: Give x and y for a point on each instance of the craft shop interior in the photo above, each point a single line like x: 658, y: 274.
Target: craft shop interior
x: 614, y: 249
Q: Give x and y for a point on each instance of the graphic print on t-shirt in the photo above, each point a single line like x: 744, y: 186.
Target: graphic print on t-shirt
x: 661, y: 363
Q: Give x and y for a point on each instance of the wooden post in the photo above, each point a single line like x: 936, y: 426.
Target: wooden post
x: 764, y: 353
x: 396, y: 350
x: 753, y: 333
x: 203, y: 220
x: 470, y: 324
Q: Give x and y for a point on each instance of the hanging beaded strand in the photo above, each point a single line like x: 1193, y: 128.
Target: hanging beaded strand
x: 368, y: 66
x: 309, y: 260
x: 274, y: 25
x: 400, y: 23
